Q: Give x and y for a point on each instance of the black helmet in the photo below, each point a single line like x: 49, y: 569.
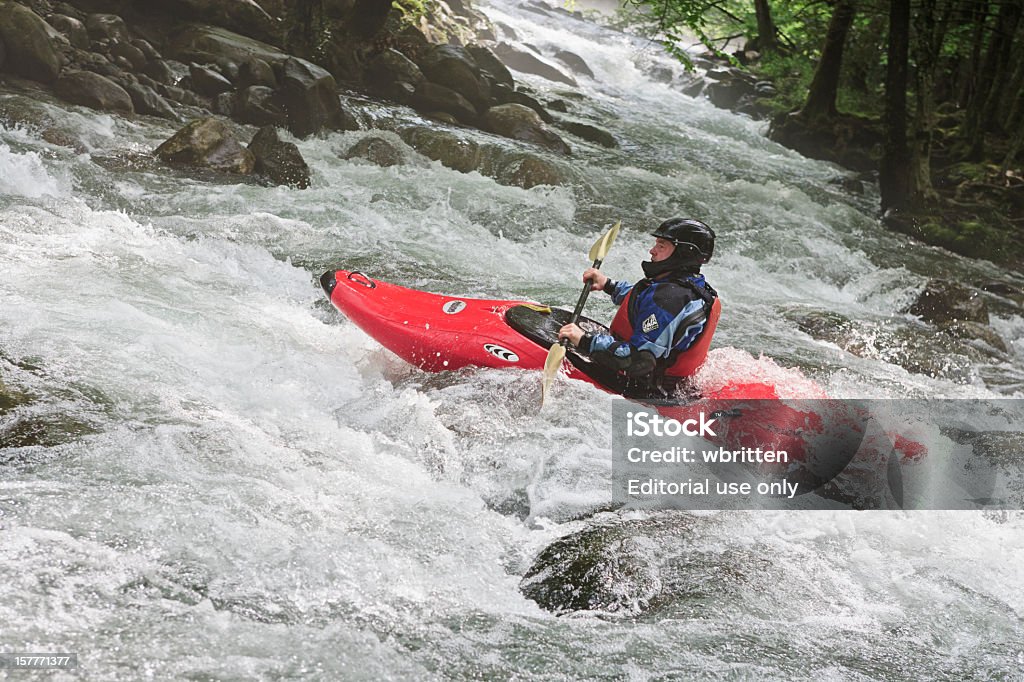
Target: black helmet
x: 698, y: 238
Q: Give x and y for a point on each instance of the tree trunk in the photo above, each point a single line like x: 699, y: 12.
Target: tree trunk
x: 977, y: 115
x: 894, y: 174
x: 970, y: 83
x: 766, y: 38
x: 821, y: 96
x: 930, y: 31
x: 1009, y: 19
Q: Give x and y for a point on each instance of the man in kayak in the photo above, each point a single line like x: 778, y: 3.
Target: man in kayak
x: 665, y: 322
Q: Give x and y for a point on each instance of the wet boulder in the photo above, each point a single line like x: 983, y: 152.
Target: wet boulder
x: 518, y: 122
x: 376, y: 150
x: 973, y: 331
x: 207, y: 143
x: 30, y: 53
x: 130, y: 53
x: 489, y: 62
x: 147, y: 101
x: 429, y: 97
x: 527, y: 62
x: 244, y: 17
x: 257, y: 106
x: 94, y: 91
x: 588, y: 132
x: 159, y: 71
x: 454, y: 68
x: 505, y: 95
x: 390, y: 68
x: 944, y: 301
x: 528, y: 170
x: 108, y: 27
x: 208, y: 82
x: 574, y: 62
x: 214, y: 43
x: 278, y: 161
x: 254, y: 71
x: 450, y: 149
x: 308, y: 95
x: 71, y: 28
x: 609, y: 568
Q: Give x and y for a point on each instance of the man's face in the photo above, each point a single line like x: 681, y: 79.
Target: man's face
x: 661, y: 250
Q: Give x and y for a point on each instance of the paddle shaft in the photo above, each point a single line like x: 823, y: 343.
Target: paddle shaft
x: 580, y: 303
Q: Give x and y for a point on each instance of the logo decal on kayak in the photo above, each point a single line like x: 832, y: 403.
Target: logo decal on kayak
x: 452, y: 307
x: 499, y: 352
x: 650, y: 324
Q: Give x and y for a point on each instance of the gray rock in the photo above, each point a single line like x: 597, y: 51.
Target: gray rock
x: 727, y: 94
x: 966, y: 331
x: 308, y: 95
x: 73, y: 29
x: 611, y: 569
x: 26, y: 37
x: 526, y: 62
x: 106, y: 27
x: 504, y: 95
x: 256, y: 105
x: 430, y: 97
x: 574, y: 62
x: 223, y: 104
x: 146, y: 101
x: 221, y: 43
x: 451, y: 150
x: 244, y: 17
x: 376, y: 150
x: 159, y: 71
x: 944, y: 301
x: 589, y: 132
x: 208, y: 82
x: 93, y: 90
x: 207, y: 143
x: 454, y: 68
x: 280, y: 162
x: 133, y: 54
x: 392, y: 66
x: 255, y: 71
x: 528, y: 170
x: 148, y: 51
x: 3, y: 54
x: 489, y: 62
x: 522, y: 123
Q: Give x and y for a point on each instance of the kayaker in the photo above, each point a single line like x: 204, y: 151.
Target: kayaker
x: 661, y: 332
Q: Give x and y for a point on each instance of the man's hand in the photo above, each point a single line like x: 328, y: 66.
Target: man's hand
x: 571, y: 332
x: 596, y: 278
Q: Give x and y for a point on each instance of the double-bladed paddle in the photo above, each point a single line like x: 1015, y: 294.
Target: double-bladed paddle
x: 557, y: 353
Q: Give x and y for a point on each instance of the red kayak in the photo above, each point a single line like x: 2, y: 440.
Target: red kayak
x: 438, y: 333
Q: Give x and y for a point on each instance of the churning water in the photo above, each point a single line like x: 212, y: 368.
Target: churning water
x: 228, y: 480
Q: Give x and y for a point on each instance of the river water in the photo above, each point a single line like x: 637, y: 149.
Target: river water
x: 228, y: 480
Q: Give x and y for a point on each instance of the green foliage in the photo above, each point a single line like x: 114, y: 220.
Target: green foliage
x: 413, y: 10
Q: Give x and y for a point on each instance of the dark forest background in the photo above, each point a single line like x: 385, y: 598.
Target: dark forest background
x: 929, y: 94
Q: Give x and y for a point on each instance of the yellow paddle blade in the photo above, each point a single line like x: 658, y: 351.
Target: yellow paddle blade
x: 604, y: 243
x: 552, y: 364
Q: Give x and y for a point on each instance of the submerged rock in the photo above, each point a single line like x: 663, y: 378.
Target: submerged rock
x: 944, y: 301
x: 376, y: 150
x: 207, y: 143
x: 589, y: 132
x: 278, y: 161
x: 522, y: 123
